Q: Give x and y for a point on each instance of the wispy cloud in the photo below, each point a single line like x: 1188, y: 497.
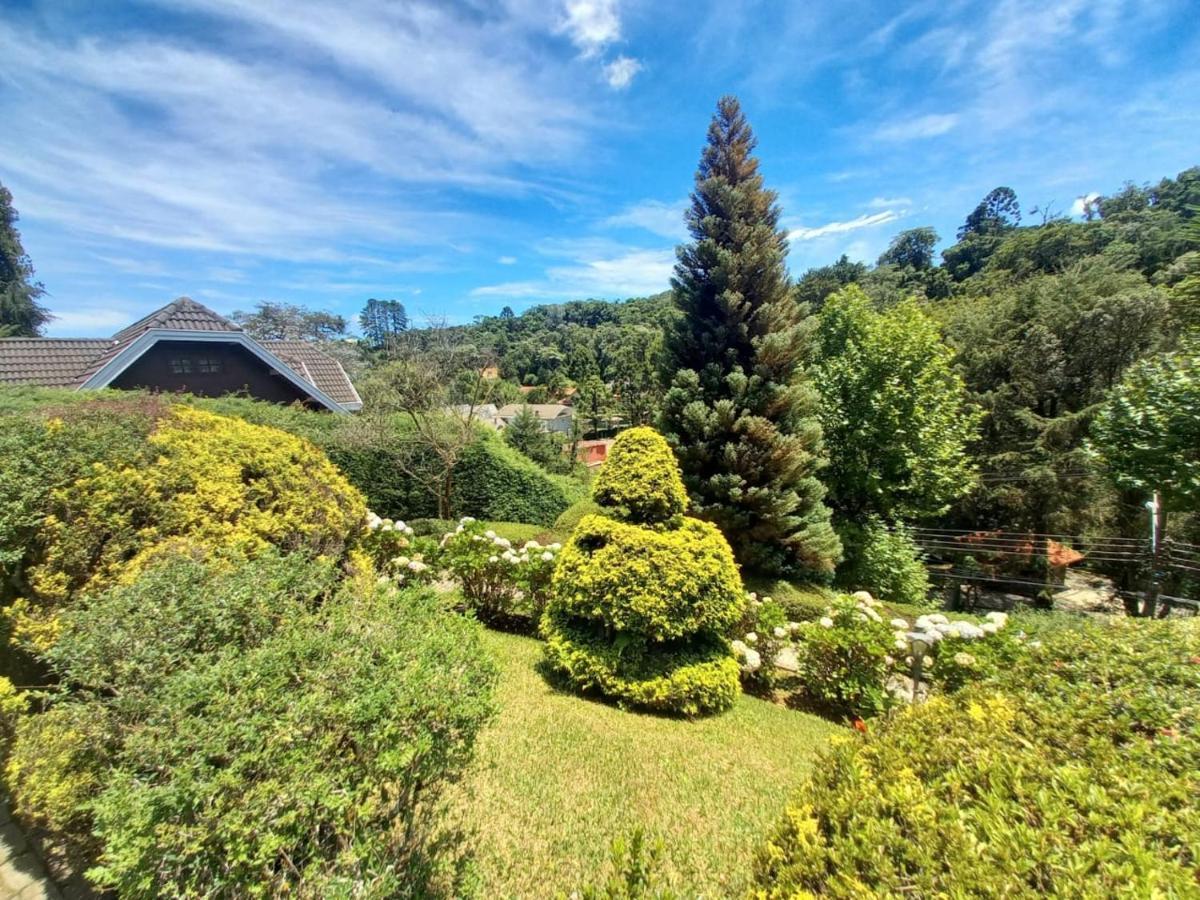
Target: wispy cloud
x: 621, y: 71
x: 887, y: 202
x: 507, y: 260
x: 596, y: 269
x: 663, y: 219
x: 865, y: 221
x: 919, y: 128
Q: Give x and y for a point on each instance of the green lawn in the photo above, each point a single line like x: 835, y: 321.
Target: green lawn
x: 557, y: 777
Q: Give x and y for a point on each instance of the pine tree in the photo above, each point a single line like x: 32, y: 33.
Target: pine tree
x: 20, y: 313
x: 741, y: 413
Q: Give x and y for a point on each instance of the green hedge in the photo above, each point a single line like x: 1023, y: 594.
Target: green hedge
x: 494, y: 481
x: 1072, y: 773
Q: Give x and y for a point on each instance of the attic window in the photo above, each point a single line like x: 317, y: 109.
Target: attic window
x: 181, y: 365
x: 208, y: 365
x: 200, y: 365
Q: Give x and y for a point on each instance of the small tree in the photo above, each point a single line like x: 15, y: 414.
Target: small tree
x: 525, y: 433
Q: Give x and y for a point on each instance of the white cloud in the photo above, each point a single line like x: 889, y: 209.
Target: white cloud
x: 598, y: 269
x: 1081, y: 204
x: 933, y: 125
x: 865, y: 221
x: 507, y: 260
x: 591, y: 24
x: 887, y: 202
x: 663, y: 219
x: 620, y: 72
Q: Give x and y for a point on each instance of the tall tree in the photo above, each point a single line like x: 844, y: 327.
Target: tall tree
x: 911, y: 249
x: 741, y: 413
x: 383, y: 321
x: 20, y: 313
x: 996, y: 213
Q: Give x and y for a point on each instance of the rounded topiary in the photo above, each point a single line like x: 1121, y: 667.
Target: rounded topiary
x: 643, y: 596
x: 641, y: 481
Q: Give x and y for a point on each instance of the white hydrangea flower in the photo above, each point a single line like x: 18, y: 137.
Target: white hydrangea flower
x: 493, y: 559
x: 901, y: 644
x: 999, y: 618
x: 923, y: 623
x: 556, y: 546
x: 373, y: 521
x: 753, y: 660
x: 989, y: 628
x: 872, y: 615
x: 739, y: 648
x: 964, y: 659
x: 889, y: 661
x: 400, y: 561
x: 899, y: 624
x: 466, y: 520
x: 969, y: 630
x: 548, y: 556
x: 779, y: 632
x: 825, y: 622
x: 938, y: 619
x: 417, y: 566
x: 793, y: 627
x: 751, y: 638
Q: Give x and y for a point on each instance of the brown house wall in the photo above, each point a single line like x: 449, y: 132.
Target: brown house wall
x: 241, y: 372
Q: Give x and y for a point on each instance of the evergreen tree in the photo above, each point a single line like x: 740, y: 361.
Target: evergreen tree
x: 741, y: 413
x: 525, y: 433
x: 20, y: 313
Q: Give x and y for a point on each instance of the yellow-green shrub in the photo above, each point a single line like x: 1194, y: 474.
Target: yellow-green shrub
x: 642, y: 596
x: 641, y: 480
x: 660, y: 584
x: 201, y: 479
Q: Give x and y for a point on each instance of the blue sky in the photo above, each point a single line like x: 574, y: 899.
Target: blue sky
x: 464, y: 156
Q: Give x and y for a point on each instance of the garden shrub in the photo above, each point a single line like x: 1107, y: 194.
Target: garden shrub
x: 574, y: 514
x: 761, y: 635
x: 197, y: 478
x: 885, y: 561
x: 1069, y: 773
x: 642, y: 597
x: 397, y: 553
x: 493, y: 481
x: 499, y: 577
x: 309, y: 765
x: 115, y: 648
x: 846, y: 656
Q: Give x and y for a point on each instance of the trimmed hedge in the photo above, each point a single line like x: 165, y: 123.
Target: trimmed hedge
x: 494, y: 481
x: 640, y: 482
x: 1071, y: 773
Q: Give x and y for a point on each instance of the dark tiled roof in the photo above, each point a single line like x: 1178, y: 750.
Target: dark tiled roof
x: 53, y: 362
x: 181, y: 314
x: 69, y: 362
x: 322, y: 370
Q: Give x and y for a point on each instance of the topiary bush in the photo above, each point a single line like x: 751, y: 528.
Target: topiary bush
x: 1070, y: 773
x: 643, y: 597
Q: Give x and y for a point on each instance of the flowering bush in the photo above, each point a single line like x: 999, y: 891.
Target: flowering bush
x: 760, y: 639
x: 845, y: 657
x: 497, y: 577
x: 958, y: 652
x: 397, y: 553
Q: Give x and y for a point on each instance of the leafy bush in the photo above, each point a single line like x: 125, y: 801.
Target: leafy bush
x: 640, y: 482
x: 642, y: 597
x: 845, y: 658
x: 885, y: 561
x: 396, y: 552
x: 1070, y: 773
x: 498, y: 577
x: 760, y: 637
x: 115, y: 648
x: 574, y: 514
x: 494, y: 481
x: 308, y: 764
x: 197, y: 478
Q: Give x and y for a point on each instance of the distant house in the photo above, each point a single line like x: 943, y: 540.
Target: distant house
x: 484, y: 414
x: 183, y: 347
x: 555, y: 417
x: 593, y: 453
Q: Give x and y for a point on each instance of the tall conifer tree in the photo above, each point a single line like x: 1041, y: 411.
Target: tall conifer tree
x: 740, y: 412
x: 20, y: 313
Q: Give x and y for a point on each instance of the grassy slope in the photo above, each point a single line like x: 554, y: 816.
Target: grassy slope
x: 557, y: 777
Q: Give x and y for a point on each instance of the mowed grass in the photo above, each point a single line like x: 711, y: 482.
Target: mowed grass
x: 557, y: 777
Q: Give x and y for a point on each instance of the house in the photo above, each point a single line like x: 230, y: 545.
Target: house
x: 593, y: 453
x: 555, y: 417
x: 183, y: 347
